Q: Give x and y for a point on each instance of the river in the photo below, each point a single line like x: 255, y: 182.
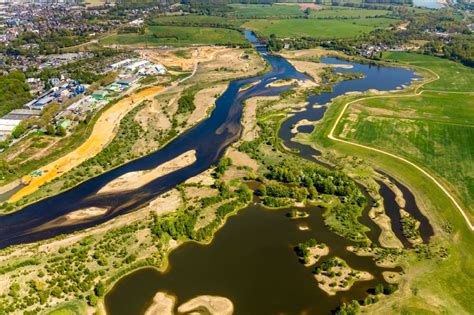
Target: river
x: 251, y: 259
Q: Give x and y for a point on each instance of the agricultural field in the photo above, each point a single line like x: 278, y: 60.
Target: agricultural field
x: 197, y: 20
x: 342, y: 12
x: 435, y: 130
x: 258, y: 11
x: 322, y: 29
x: 178, y: 36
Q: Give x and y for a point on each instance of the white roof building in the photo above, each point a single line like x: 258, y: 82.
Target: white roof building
x: 134, y: 66
x: 120, y: 64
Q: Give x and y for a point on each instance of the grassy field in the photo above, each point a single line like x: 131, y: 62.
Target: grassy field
x: 432, y: 285
x: 330, y: 28
x: 453, y: 76
x: 435, y: 130
x: 250, y: 11
x: 342, y: 12
x: 178, y: 36
x: 197, y: 20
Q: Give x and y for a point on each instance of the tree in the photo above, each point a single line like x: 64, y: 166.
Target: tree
x: 99, y: 289
x: 379, y: 288
x: 92, y: 299
x: 50, y: 130
x: 61, y: 131
x: 18, y: 131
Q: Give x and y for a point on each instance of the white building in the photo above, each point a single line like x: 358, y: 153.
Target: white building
x: 136, y: 65
x: 120, y: 64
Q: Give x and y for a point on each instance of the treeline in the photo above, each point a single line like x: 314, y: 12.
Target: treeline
x: 305, y: 182
x: 447, y: 36
x: 182, y: 225
x: 14, y: 92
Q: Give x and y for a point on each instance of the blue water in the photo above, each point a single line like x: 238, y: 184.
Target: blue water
x: 210, y: 138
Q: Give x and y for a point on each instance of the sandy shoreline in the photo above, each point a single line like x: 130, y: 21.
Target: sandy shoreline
x: 134, y: 180
x: 215, y: 305
x: 162, y: 304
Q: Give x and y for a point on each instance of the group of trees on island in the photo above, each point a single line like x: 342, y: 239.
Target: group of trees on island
x: 312, y: 177
x: 182, y: 224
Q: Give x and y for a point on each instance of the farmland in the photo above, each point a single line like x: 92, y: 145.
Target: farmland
x: 434, y: 130
x: 317, y: 28
x: 250, y: 11
x: 178, y: 36
x: 429, y: 286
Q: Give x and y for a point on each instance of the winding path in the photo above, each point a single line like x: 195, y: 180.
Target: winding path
x: 431, y: 177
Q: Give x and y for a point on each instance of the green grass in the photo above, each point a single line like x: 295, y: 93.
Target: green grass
x: 433, y: 130
x: 331, y: 28
x: 178, y: 36
x: 197, y: 20
x: 436, y: 285
x: 341, y: 12
x: 249, y: 11
x: 69, y: 308
x: 453, y: 75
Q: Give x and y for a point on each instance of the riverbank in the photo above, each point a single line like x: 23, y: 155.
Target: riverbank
x: 430, y: 280
x: 156, y: 117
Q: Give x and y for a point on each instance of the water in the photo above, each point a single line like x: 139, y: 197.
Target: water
x: 252, y: 262
x: 251, y: 259
x: 209, y: 138
x: 430, y: 4
x: 375, y: 77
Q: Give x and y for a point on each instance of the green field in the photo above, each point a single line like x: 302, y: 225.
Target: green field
x: 330, y: 28
x: 341, y: 12
x: 453, y: 75
x: 197, y: 20
x: 178, y: 36
x: 435, y: 130
x: 251, y: 11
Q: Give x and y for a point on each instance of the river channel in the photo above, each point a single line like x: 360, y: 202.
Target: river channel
x: 251, y: 259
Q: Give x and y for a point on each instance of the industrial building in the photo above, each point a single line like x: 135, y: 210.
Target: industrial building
x: 9, y: 122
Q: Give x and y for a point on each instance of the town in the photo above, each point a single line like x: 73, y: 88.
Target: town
x: 220, y: 157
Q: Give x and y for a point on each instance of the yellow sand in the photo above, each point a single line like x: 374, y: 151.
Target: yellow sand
x: 102, y: 134
x: 134, y: 180
x: 214, y: 305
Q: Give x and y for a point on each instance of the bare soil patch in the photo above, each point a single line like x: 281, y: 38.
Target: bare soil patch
x: 215, y: 305
x: 134, y: 180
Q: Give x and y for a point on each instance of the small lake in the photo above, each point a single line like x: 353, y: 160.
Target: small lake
x: 430, y: 4
x: 251, y: 261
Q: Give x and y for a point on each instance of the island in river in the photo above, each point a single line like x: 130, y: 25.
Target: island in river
x: 197, y: 217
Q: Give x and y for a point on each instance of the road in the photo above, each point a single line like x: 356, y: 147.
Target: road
x: 431, y: 177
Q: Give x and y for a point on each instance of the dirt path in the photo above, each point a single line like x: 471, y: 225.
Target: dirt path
x: 431, y: 177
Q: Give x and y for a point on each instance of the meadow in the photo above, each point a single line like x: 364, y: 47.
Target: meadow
x: 178, y: 36
x: 197, y: 20
x: 253, y: 11
x: 435, y: 130
x: 453, y: 75
x: 431, y: 284
x: 342, y: 12
x: 328, y: 28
